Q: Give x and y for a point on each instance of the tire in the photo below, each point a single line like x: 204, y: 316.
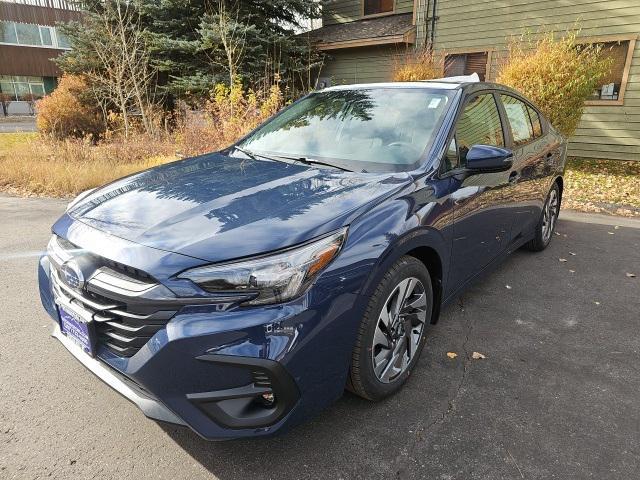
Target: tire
x: 381, y: 335
x: 544, y: 232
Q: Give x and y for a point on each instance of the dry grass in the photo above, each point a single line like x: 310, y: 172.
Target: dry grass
x: 40, y: 165
x: 31, y: 165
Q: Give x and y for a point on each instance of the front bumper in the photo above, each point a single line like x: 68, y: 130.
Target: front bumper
x: 208, y: 370
x: 149, y: 406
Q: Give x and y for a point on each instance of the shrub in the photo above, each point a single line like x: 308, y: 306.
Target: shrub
x: 557, y: 74
x: 69, y: 111
x: 415, y: 66
x: 229, y: 114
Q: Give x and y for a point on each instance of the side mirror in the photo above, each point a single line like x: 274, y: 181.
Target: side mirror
x: 486, y: 158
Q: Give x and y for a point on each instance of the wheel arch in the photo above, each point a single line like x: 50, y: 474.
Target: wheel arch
x: 426, y: 245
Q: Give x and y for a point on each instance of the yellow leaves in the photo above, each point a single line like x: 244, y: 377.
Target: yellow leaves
x: 594, y: 185
x: 474, y: 355
x: 555, y: 74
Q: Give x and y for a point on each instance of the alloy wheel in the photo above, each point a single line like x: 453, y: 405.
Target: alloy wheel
x: 399, y: 330
x: 550, y: 215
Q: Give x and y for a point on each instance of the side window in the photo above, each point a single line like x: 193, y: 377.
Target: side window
x: 479, y: 125
x: 451, y: 160
x: 518, y: 115
x: 535, y: 121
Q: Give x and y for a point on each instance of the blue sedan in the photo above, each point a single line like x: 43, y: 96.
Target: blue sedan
x: 240, y: 292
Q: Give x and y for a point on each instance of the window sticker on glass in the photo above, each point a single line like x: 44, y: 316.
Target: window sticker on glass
x: 434, y: 103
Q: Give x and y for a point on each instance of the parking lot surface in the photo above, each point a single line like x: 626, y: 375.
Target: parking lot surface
x: 555, y: 397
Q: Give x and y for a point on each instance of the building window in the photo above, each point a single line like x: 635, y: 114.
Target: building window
x: 466, y: 64
x: 32, y: 35
x: 376, y: 7
x: 8, y: 32
x: 21, y: 88
x: 46, y: 36
x: 611, y: 88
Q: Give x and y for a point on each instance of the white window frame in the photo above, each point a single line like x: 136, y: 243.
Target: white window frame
x: 52, y: 30
x: 13, y: 80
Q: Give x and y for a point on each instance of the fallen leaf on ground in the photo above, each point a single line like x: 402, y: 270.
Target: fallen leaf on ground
x: 452, y: 354
x: 477, y: 356
x: 631, y: 275
x: 562, y: 259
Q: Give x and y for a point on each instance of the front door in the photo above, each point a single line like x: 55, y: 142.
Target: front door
x: 482, y: 209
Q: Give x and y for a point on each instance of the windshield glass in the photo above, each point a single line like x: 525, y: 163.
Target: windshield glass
x: 378, y: 129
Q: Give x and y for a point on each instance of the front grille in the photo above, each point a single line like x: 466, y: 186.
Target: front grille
x: 118, y: 327
x: 123, y: 325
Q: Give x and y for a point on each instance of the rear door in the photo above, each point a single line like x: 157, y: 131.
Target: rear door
x: 532, y: 154
x: 482, y: 210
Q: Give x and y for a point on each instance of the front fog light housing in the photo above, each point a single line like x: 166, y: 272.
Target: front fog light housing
x: 273, y: 278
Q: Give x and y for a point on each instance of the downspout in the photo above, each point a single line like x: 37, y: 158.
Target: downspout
x: 427, y: 42
x: 433, y: 25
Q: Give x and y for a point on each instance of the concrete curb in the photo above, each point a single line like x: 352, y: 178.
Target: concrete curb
x: 599, y: 219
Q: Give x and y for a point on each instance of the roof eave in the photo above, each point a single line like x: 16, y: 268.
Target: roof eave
x: 409, y: 38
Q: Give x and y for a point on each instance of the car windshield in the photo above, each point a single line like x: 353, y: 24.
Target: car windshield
x: 376, y: 129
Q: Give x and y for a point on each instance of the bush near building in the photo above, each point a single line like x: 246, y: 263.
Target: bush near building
x: 70, y: 111
x: 557, y: 74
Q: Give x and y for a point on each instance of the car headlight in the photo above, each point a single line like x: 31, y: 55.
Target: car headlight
x: 273, y: 278
x: 80, y: 196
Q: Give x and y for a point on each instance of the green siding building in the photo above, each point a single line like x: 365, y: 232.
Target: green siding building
x: 363, y: 40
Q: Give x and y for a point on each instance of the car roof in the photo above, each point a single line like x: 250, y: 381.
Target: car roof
x: 371, y: 86
x: 454, y: 83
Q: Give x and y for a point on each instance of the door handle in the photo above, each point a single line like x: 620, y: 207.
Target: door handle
x: 513, y: 177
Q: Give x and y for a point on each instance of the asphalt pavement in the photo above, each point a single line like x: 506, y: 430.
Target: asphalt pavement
x: 17, y: 124
x: 555, y: 397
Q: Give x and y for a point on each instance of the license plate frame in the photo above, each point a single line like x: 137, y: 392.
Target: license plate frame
x: 81, y: 332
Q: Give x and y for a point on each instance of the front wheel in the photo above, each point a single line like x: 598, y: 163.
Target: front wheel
x: 392, y: 332
x: 547, y: 223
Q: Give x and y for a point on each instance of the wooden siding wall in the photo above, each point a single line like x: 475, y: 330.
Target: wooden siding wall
x: 31, y: 61
x: 360, y: 65
x: 606, y: 131
x: 17, y: 12
x: 342, y: 11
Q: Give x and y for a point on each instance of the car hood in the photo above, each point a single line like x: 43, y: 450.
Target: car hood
x: 215, y: 207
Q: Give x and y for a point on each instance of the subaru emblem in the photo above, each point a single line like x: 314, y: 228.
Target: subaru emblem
x: 72, y: 275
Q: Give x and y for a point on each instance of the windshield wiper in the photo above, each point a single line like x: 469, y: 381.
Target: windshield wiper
x: 280, y: 158
x: 254, y: 156
x: 313, y: 161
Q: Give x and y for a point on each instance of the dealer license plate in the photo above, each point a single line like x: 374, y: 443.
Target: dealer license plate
x: 77, y: 330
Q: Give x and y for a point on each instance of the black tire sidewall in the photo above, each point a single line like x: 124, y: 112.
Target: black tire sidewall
x: 538, y: 244
x: 404, y: 268
x: 540, y: 233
